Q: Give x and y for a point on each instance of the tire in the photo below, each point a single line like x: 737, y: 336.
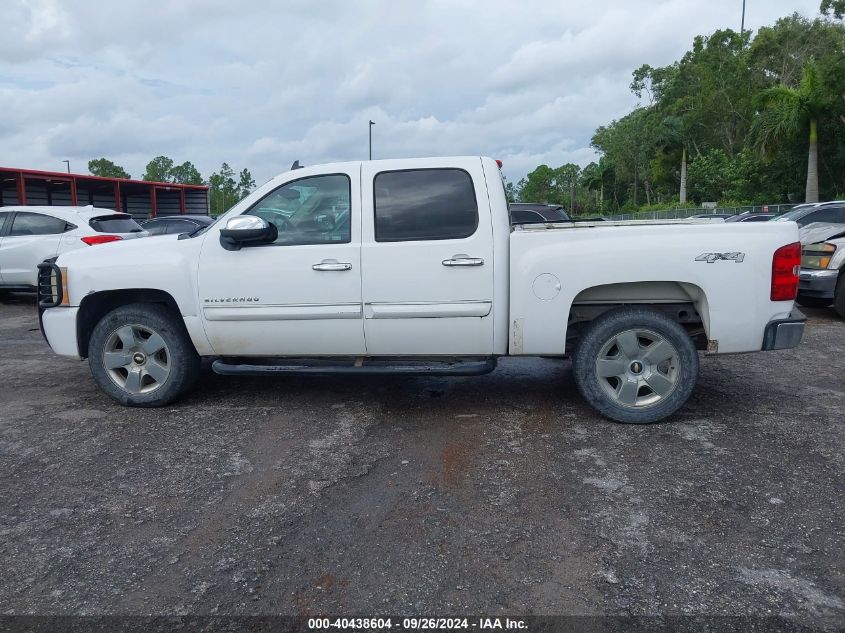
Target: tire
x: 813, y: 302
x: 635, y: 365
x: 839, y: 295
x: 140, y: 355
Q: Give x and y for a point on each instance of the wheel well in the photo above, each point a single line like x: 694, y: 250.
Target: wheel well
x: 95, y: 306
x: 683, y: 302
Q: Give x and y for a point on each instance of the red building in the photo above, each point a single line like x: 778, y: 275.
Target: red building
x: 140, y: 198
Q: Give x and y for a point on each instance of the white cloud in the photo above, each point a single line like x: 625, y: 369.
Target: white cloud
x: 259, y: 85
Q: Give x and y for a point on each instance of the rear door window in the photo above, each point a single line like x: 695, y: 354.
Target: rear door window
x: 115, y: 224
x: 4, y: 217
x: 424, y: 204
x: 26, y: 223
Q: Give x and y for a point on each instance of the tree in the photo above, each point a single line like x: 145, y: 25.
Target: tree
x: 594, y: 177
x: 245, y: 184
x: 540, y: 186
x: 628, y: 144
x: 159, y: 169
x: 786, y: 110
x: 186, y: 174
x: 836, y: 8
x: 106, y: 168
x: 224, y: 191
x: 566, y: 178
x: 511, y: 190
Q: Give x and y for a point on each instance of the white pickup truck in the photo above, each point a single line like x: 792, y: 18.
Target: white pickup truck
x: 412, y: 266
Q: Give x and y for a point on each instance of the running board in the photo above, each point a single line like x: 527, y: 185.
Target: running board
x: 323, y: 367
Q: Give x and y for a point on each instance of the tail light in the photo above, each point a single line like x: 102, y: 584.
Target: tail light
x: 499, y: 163
x: 786, y: 265
x: 100, y: 239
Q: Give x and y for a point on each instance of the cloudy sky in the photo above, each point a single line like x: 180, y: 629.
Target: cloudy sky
x: 260, y: 84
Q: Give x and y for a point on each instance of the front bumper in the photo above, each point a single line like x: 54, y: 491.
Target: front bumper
x: 784, y: 333
x: 59, y: 327
x: 817, y: 283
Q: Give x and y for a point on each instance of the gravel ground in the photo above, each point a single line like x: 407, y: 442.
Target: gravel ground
x: 503, y: 494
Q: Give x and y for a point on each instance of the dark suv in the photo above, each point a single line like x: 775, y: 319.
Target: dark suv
x: 529, y: 212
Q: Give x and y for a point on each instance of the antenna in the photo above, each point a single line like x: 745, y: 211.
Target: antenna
x: 295, y: 165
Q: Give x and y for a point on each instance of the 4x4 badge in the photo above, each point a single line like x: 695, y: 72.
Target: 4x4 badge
x: 713, y: 257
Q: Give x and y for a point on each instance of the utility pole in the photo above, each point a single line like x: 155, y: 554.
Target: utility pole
x: 372, y: 123
x: 742, y: 25
x: 68, y: 165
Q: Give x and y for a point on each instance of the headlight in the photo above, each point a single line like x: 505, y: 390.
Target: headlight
x: 817, y: 256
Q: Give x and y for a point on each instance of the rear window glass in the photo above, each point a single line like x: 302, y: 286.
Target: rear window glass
x: 115, y: 224
x: 424, y: 204
x: 525, y: 216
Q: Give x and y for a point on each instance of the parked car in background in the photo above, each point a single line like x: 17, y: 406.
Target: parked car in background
x: 822, y: 278
x: 711, y: 216
x: 751, y: 217
x: 528, y: 212
x: 29, y: 235
x: 804, y: 214
x: 169, y: 224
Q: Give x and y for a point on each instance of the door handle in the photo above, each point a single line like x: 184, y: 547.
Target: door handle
x: 463, y: 260
x: 332, y: 265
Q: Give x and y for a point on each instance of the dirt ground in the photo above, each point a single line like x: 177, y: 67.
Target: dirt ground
x: 502, y: 494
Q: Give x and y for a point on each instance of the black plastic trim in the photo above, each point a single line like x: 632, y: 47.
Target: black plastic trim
x: 771, y: 340
x: 45, y: 288
x: 314, y: 367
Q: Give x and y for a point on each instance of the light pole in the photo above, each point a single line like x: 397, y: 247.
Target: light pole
x: 68, y: 165
x: 742, y: 25
x: 372, y: 123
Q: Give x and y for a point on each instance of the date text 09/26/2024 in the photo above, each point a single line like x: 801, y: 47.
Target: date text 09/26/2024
x: 480, y: 623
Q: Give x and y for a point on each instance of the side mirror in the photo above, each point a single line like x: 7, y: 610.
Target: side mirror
x: 247, y: 230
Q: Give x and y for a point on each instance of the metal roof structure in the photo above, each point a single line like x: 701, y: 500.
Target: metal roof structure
x: 141, y: 198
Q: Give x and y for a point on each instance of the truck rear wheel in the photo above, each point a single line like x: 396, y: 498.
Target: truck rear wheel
x: 141, y: 356
x: 635, y: 365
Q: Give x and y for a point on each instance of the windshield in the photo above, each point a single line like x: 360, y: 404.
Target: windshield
x: 115, y: 224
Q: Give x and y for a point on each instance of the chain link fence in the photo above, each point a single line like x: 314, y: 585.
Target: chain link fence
x: 678, y: 214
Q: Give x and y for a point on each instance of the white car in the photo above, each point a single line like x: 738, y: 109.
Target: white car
x: 822, y: 265
x: 412, y: 266
x: 29, y: 235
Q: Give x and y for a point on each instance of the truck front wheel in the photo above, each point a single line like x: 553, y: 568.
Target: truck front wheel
x: 635, y: 365
x: 141, y: 356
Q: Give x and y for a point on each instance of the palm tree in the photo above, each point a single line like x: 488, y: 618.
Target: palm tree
x: 785, y: 111
x: 672, y: 134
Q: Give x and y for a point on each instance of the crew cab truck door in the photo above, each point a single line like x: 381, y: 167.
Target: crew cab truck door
x: 427, y: 259
x: 301, y: 295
